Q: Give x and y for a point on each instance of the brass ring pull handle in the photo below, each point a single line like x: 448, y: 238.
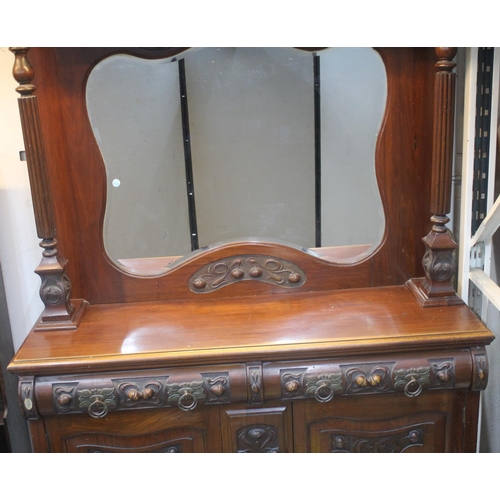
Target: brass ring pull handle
x: 323, y: 393
x: 98, y: 408
x: 187, y: 402
x: 413, y: 388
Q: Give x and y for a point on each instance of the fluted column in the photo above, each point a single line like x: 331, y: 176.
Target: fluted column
x: 60, y: 312
x: 439, y: 261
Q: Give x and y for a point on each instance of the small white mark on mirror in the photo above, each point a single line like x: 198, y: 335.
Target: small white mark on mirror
x: 116, y: 183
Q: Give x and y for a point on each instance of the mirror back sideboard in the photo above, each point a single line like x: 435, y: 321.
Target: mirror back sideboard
x: 248, y: 345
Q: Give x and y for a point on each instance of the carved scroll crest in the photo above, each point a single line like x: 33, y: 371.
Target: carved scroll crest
x: 262, y: 268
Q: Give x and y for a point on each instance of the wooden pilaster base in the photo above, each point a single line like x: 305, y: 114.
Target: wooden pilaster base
x: 46, y: 323
x: 418, y: 289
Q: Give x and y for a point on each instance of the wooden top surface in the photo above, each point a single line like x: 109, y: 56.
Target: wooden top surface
x: 259, y: 328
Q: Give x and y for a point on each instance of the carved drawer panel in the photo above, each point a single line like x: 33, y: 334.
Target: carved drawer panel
x: 267, y: 429
x: 164, y: 430
x: 410, y: 374
x: 182, y: 388
x: 164, y: 442
x: 414, y: 433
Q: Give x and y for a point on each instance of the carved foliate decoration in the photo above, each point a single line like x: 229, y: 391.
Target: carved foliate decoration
x: 368, y: 378
x: 292, y: 385
x: 412, y: 380
x: 394, y: 443
x: 186, y: 394
x: 258, y: 438
x: 323, y: 387
x: 443, y: 372
x: 64, y: 397
x: 254, y: 378
x: 142, y: 392
x: 479, y: 370
x: 217, y: 387
x: 439, y: 265
x: 27, y: 396
x: 263, y: 268
x: 97, y: 401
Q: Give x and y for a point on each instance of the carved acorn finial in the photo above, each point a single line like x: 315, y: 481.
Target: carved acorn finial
x: 361, y: 381
x: 23, y: 71
x: 445, y: 57
x: 375, y: 380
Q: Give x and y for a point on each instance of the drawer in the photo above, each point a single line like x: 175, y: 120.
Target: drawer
x: 410, y: 374
x: 183, y: 388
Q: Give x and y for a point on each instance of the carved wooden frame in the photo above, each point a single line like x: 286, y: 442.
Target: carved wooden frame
x: 439, y: 263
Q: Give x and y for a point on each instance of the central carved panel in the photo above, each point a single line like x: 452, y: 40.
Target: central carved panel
x: 264, y: 268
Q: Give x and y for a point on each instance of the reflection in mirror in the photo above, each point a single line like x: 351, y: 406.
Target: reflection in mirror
x: 236, y: 143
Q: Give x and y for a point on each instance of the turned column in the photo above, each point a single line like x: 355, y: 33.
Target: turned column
x: 60, y: 312
x: 439, y: 261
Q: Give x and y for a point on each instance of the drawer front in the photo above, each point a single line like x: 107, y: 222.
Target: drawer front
x: 409, y: 374
x: 254, y: 383
x: 182, y: 388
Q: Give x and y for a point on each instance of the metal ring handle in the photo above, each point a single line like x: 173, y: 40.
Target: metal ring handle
x: 413, y: 388
x: 187, y: 396
x: 98, y: 408
x: 323, y: 398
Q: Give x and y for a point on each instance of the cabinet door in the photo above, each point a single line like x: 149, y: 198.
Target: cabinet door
x: 391, y: 423
x: 263, y: 429
x: 153, y: 431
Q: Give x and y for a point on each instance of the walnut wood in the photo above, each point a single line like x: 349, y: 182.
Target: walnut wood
x: 77, y: 177
x: 298, y: 326
x: 278, y: 417
x: 60, y: 312
x: 444, y: 116
x: 199, y: 431
x: 376, y: 364
x: 439, y: 262
x: 383, y: 409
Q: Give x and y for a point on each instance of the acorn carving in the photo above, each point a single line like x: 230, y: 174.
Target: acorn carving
x: 64, y: 399
x: 375, y: 380
x: 217, y: 389
x: 292, y: 386
x: 147, y: 393
x: 237, y: 273
x: 133, y: 395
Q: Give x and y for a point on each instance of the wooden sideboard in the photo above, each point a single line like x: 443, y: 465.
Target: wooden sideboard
x: 357, y: 370
x: 249, y: 346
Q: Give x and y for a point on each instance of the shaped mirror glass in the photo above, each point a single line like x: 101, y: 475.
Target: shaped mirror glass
x: 220, y: 144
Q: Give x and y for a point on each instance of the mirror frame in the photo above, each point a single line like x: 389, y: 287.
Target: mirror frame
x: 67, y: 177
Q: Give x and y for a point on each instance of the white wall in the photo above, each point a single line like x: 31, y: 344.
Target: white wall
x: 19, y: 250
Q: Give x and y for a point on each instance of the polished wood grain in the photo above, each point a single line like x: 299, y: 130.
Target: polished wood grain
x: 358, y: 325
x: 300, y: 325
x: 55, y: 290
x: 441, y: 412
x: 77, y: 178
x: 143, y: 431
x: 439, y: 262
x: 271, y: 425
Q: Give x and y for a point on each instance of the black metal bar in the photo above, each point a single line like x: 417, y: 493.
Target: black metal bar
x: 482, y: 136
x: 186, y: 138
x: 317, y: 147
